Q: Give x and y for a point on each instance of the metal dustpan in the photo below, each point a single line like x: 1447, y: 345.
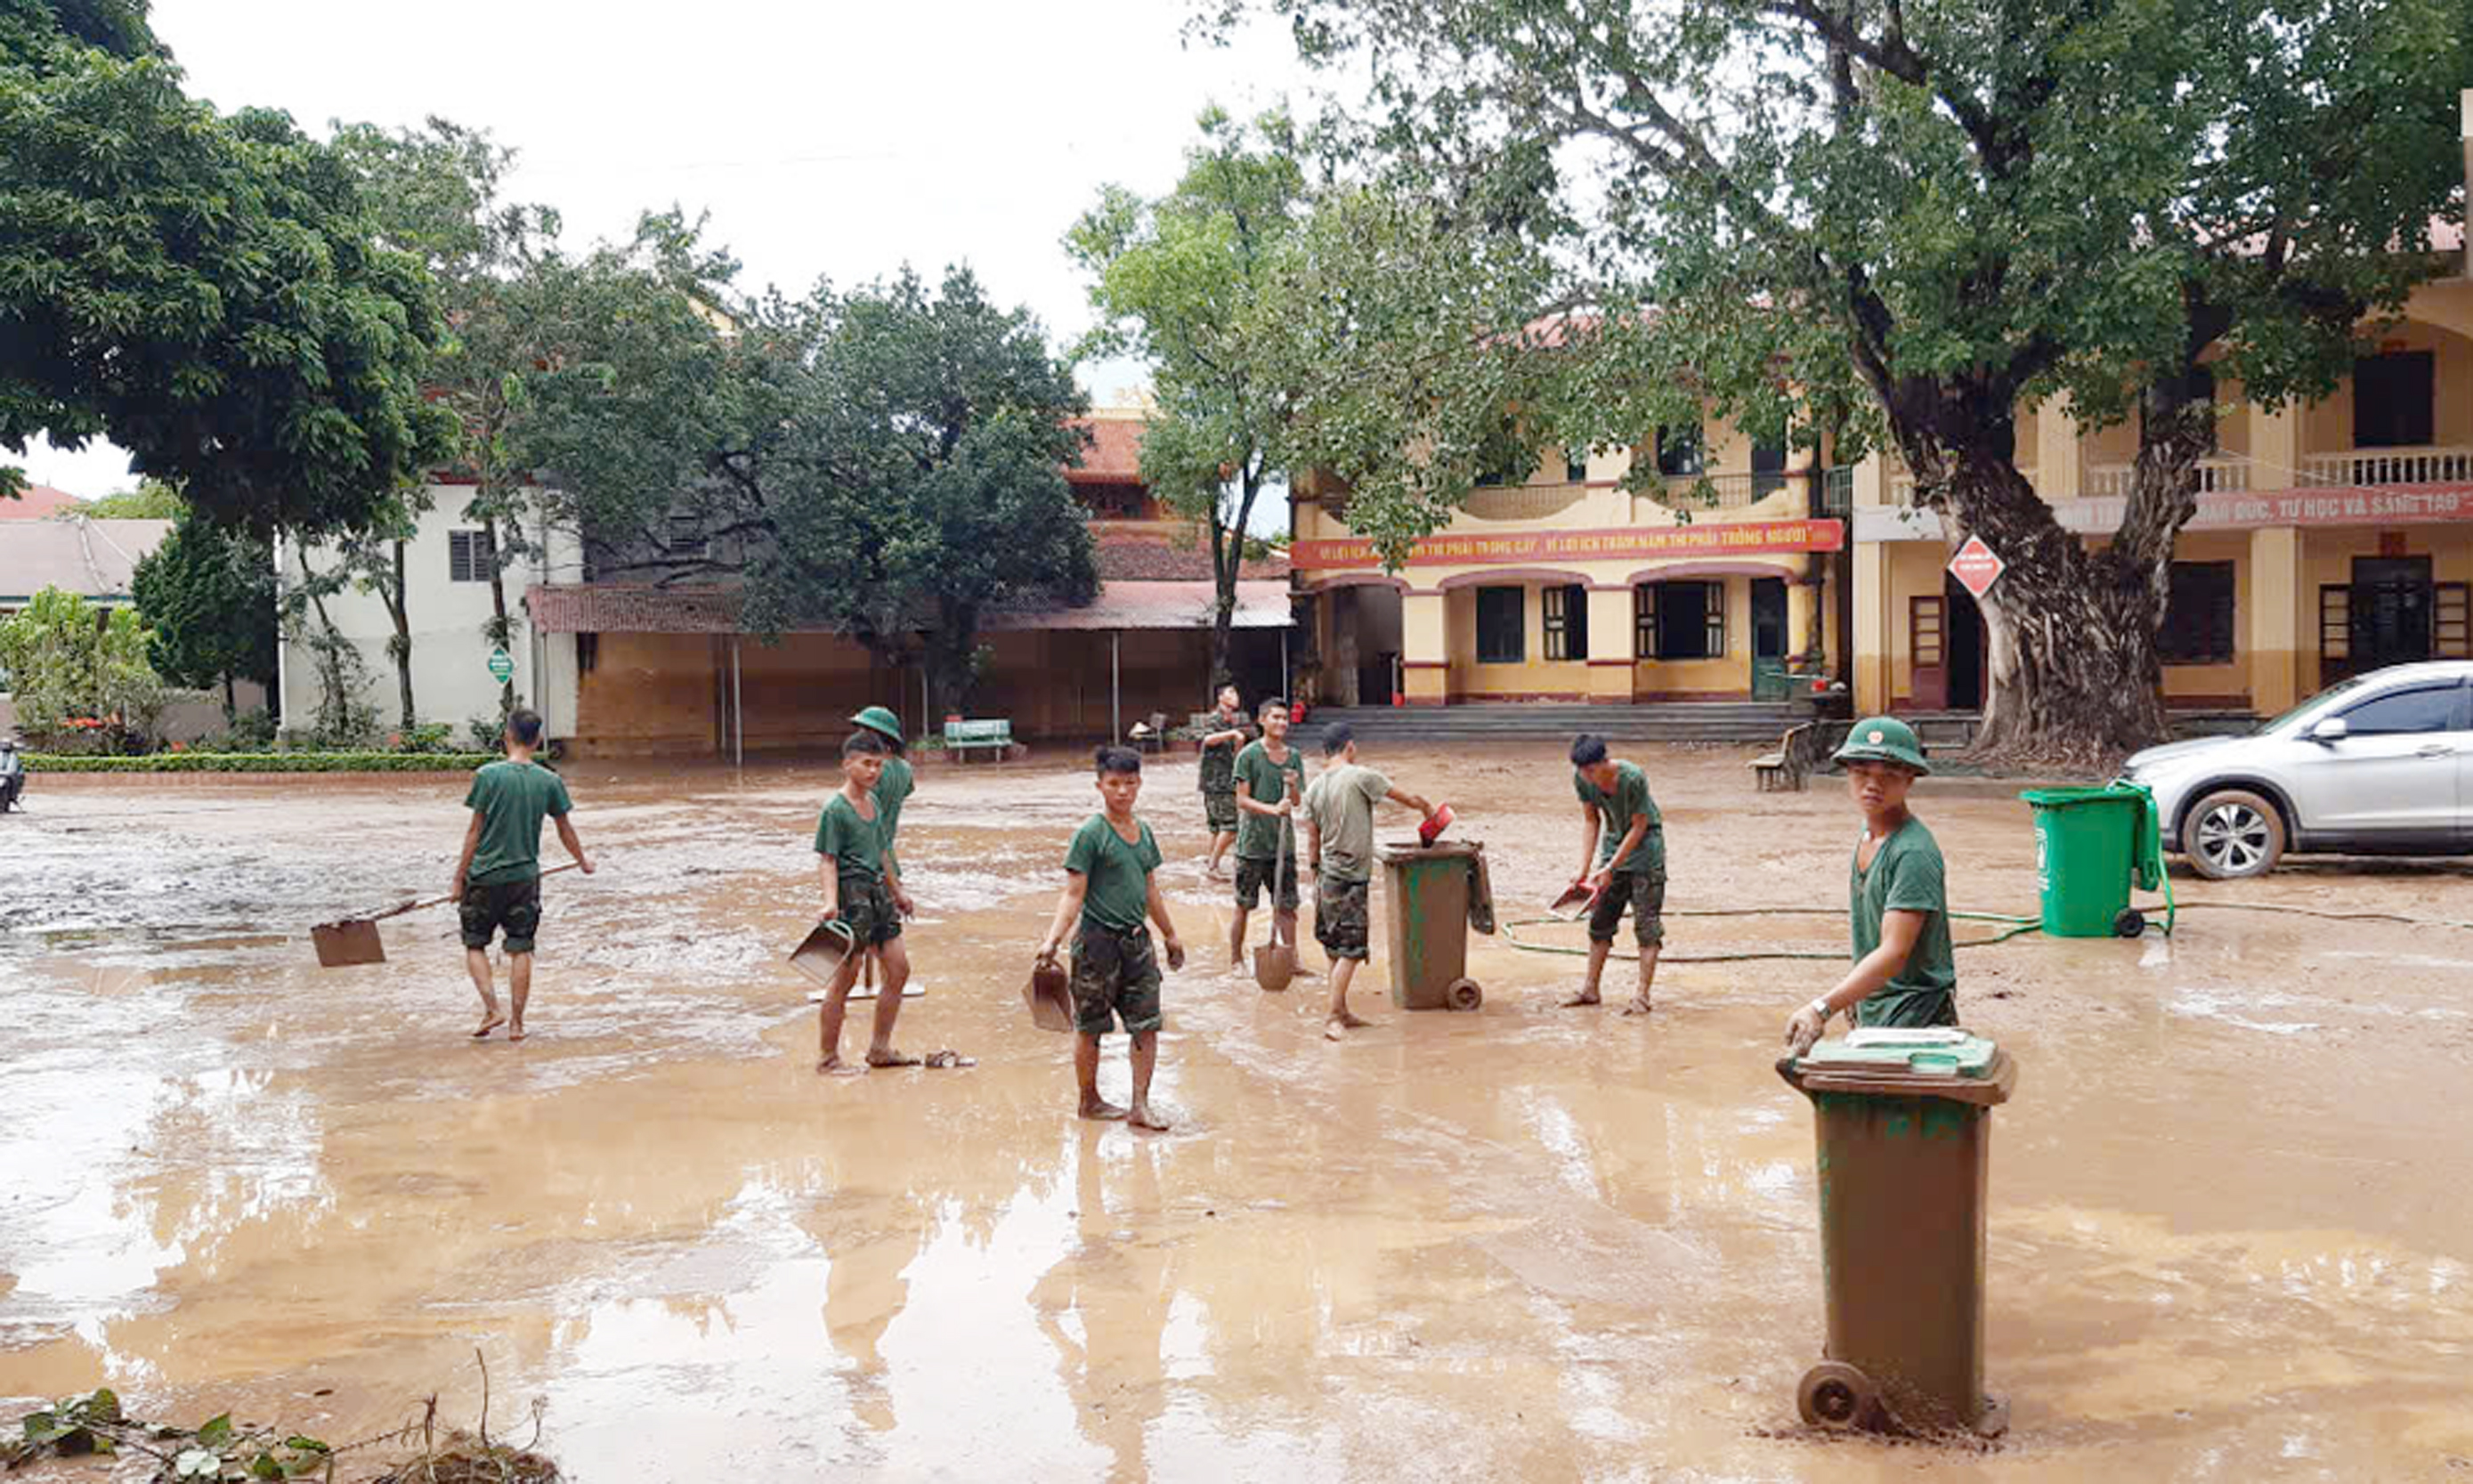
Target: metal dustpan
x: 355, y: 940
x: 819, y: 956
x: 1049, y: 998
x: 1574, y: 904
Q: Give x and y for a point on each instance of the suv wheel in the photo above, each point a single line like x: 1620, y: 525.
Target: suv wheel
x: 2233, y: 833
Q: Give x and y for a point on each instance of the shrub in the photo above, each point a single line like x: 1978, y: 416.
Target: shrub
x: 261, y: 762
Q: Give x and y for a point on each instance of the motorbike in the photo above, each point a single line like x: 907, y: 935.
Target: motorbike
x: 12, y: 776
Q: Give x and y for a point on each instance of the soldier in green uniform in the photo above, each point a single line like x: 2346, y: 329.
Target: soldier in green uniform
x: 1897, y: 896
x: 849, y: 867
x: 497, y: 880
x: 1270, y: 777
x: 1622, y: 864
x: 1219, y: 775
x: 1340, y: 851
x: 897, y: 784
x: 1111, y: 892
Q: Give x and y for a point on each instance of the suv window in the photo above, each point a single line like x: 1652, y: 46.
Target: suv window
x: 2405, y: 712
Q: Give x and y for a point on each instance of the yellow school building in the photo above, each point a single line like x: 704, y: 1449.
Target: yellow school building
x: 2331, y: 538
x: 1720, y: 583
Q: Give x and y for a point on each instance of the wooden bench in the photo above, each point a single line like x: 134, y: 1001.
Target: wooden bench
x: 1790, y: 764
x: 960, y: 737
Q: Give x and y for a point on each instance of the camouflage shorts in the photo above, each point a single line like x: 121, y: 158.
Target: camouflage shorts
x: 1115, y: 978
x: 1642, y: 892
x: 1256, y: 876
x: 1339, y: 917
x: 867, y: 908
x: 1220, y: 812
x: 514, y: 905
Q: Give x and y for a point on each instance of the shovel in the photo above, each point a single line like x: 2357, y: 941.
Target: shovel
x: 355, y: 940
x: 1275, y: 962
x: 1051, y: 1000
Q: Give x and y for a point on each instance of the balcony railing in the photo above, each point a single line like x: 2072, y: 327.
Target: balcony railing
x: 1523, y: 502
x: 1719, y: 491
x: 2388, y: 467
x: 2226, y: 472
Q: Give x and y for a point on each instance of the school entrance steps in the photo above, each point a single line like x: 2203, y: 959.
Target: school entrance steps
x: 1715, y: 721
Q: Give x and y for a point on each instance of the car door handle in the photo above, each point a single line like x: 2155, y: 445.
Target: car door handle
x: 2435, y: 749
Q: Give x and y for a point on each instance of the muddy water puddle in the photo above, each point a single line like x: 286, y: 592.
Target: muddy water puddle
x: 2231, y: 1232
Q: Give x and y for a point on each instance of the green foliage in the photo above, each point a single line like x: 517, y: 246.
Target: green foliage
x: 67, y: 659
x: 263, y: 762
x: 341, y: 718
x: 1366, y: 332
x: 152, y: 500
x: 250, y: 732
x: 885, y: 462
x: 209, y: 593
x: 201, y: 289
x: 218, y: 1451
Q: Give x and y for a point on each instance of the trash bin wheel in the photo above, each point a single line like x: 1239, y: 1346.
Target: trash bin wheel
x: 2131, y: 924
x: 1463, y: 995
x: 1836, y: 1395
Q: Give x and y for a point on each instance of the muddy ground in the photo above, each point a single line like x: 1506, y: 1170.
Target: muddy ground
x: 2232, y: 1203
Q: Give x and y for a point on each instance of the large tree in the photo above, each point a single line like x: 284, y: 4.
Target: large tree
x: 1292, y: 321
x: 885, y: 464
x: 207, y: 595
x: 202, y: 290
x: 1935, y: 212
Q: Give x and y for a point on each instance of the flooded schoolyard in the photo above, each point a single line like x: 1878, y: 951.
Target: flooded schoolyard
x: 2232, y: 1218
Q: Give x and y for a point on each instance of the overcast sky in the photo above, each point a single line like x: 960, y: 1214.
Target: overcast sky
x: 838, y: 140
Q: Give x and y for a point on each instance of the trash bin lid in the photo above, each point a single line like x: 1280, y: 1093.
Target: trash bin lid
x: 1898, y: 1062
x: 2064, y: 798
x: 1397, y: 853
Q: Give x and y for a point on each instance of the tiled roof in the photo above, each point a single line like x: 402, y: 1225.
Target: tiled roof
x: 1167, y: 551
x: 1114, y: 456
x: 38, y: 502
x: 609, y: 608
x: 91, y: 558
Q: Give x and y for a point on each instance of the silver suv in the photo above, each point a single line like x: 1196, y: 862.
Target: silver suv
x: 2381, y: 764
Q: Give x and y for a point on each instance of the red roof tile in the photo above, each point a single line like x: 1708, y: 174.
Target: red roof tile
x: 38, y: 502
x: 1114, y: 456
x: 1168, y: 551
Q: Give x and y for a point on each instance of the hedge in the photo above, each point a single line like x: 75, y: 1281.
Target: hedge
x: 262, y: 763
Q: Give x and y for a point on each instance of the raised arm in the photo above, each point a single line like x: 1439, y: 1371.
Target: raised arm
x: 1407, y: 800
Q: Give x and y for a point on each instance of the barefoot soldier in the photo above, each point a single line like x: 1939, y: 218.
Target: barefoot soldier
x: 1110, y: 890
x: 1219, y: 775
x: 497, y: 880
x: 1340, y: 851
x: 1625, y: 839
x: 849, y: 867
x: 1271, y: 776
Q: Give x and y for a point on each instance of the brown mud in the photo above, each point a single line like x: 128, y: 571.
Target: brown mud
x: 2231, y: 1231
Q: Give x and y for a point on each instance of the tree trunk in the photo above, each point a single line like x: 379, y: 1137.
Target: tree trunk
x: 232, y: 702
x: 401, y: 648
x: 500, y: 631
x: 949, y: 658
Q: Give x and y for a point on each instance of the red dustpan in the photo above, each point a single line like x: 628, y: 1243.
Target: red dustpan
x: 1431, y: 830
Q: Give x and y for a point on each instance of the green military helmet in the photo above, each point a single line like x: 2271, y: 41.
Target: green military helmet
x: 876, y: 718
x: 1883, y: 739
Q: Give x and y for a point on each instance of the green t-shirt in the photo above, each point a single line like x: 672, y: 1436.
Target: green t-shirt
x: 1260, y: 836
x: 1630, y: 801
x: 1219, y: 763
x: 512, y: 796
x: 1907, y: 875
x: 856, y: 844
x: 897, y: 784
x: 1341, y: 802
x: 1117, y: 890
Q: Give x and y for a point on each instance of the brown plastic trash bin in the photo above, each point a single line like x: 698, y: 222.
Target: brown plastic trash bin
x: 1904, y: 1125
x: 1436, y: 892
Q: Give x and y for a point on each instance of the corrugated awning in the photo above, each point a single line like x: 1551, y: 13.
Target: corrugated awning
x: 608, y: 607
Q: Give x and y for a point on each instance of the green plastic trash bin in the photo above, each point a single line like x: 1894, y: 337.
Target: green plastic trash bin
x: 1436, y: 894
x: 2090, y: 843
x: 1902, y: 1120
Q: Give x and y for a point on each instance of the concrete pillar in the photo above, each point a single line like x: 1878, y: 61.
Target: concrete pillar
x: 1873, y: 634
x: 2274, y: 445
x: 1425, y: 648
x: 2274, y: 628
x: 2060, y: 467
x: 1610, y: 643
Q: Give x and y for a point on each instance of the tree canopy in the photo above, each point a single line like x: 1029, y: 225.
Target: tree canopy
x: 1916, y: 216
x: 207, y: 595
x: 202, y: 290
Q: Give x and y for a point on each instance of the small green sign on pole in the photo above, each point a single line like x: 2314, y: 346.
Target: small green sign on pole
x: 502, y: 665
